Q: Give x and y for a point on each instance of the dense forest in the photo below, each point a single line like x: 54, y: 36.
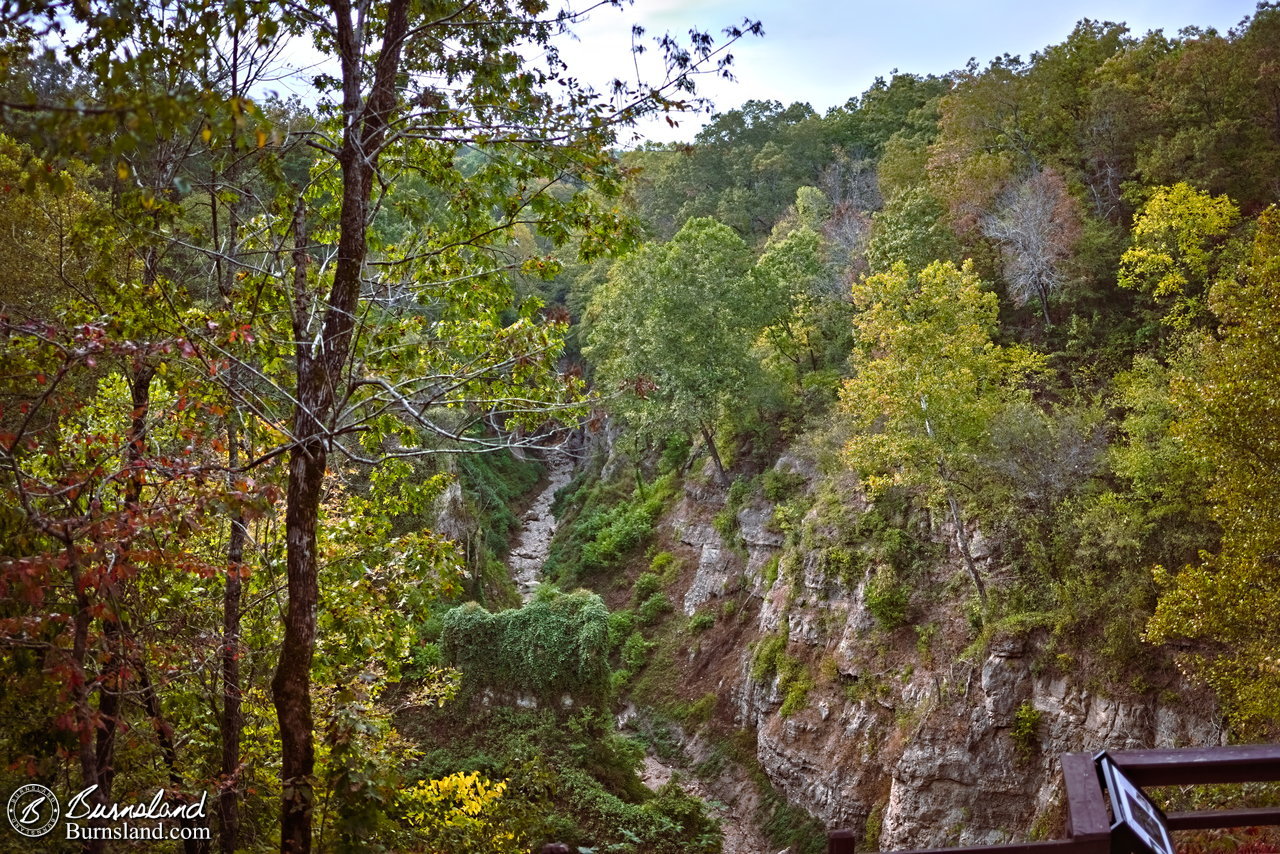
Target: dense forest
x: 831, y: 412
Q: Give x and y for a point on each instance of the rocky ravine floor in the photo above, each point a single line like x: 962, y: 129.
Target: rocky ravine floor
x: 538, y: 526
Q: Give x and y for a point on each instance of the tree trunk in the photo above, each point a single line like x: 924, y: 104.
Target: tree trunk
x: 721, y: 476
x: 115, y: 673
x: 85, y: 717
x: 232, y: 721
x: 1044, y: 304
x: 319, y: 371
x: 291, y: 685
x: 962, y: 539
x: 168, y: 751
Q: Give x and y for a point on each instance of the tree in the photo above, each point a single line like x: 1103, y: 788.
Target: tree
x: 1037, y: 225
x: 1228, y: 416
x: 807, y: 338
x: 1175, y: 250
x: 929, y: 383
x: 675, y: 323
x: 910, y: 230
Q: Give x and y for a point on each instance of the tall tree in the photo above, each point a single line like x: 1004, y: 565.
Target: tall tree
x: 929, y: 383
x: 1175, y: 251
x: 1228, y: 416
x: 675, y: 323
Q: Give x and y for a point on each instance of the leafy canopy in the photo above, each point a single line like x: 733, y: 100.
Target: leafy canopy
x: 929, y: 379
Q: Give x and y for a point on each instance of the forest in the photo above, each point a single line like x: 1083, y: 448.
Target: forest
x: 962, y: 393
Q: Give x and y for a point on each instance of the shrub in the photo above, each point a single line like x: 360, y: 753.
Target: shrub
x: 838, y: 562
x: 886, y: 599
x: 726, y: 524
x: 653, y: 608
x: 700, y: 711
x: 555, y: 644
x: 1026, y: 729
x: 780, y: 485
x: 422, y: 659
x: 621, y: 624
x: 702, y: 621
x: 798, y: 684
x: 769, y: 573
x: 764, y: 662
x: 635, y: 651
x: 665, y: 566
x: 924, y: 639
x: 646, y: 585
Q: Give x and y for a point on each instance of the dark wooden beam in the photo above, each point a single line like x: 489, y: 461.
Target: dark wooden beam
x: 1246, y: 763
x: 840, y: 842
x: 1207, y: 819
x: 1087, y: 819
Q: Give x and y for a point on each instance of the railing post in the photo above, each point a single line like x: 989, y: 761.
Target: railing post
x: 840, y: 842
x: 1087, y: 821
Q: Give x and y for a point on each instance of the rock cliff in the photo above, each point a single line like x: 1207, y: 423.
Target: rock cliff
x: 902, y: 718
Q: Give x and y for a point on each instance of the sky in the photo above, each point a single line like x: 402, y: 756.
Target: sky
x: 826, y: 51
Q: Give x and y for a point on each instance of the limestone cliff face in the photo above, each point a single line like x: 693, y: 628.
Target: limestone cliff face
x: 912, y: 736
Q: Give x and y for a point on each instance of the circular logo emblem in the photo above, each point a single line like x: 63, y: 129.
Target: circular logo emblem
x: 33, y: 810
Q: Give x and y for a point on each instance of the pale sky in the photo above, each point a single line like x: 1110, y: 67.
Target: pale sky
x: 826, y: 52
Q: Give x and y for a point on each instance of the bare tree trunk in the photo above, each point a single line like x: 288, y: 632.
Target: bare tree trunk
x: 80, y: 688
x: 291, y: 685
x: 962, y: 539
x: 721, y: 476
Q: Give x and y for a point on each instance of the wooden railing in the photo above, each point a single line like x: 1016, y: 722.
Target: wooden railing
x: 1089, y: 825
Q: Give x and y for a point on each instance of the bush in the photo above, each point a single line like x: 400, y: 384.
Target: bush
x: 646, y: 585
x: 769, y: 573
x: 839, y: 563
x: 726, y: 524
x: 422, y: 659
x: 635, y: 651
x: 780, y: 485
x: 764, y: 661
x: 1026, y: 729
x: 611, y: 523
x: 665, y: 565
x: 700, y: 711
x: 573, y: 778
x: 886, y: 599
x: 702, y: 621
x: 555, y: 644
x: 798, y: 683
x: 653, y: 608
x: 621, y: 624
